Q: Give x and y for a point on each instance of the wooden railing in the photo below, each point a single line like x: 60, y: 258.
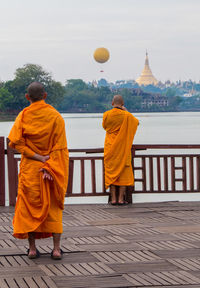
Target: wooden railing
x: 2, y: 172
x: 160, y: 171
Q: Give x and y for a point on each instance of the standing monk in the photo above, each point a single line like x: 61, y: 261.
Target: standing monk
x: 39, y: 135
x: 120, y: 126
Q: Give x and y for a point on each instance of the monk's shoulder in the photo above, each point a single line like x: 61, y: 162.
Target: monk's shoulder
x: 54, y: 115
x: 26, y: 109
x: 130, y: 115
x: 59, y: 120
x: 112, y: 112
x: 107, y: 112
x: 18, y: 119
x: 19, y: 115
x: 53, y: 111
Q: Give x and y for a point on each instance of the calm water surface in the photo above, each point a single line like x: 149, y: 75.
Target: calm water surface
x: 85, y: 130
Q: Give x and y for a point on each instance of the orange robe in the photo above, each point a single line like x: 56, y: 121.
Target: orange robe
x: 120, y: 129
x: 40, y: 129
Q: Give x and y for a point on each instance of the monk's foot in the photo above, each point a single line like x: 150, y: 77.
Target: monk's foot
x: 121, y: 203
x: 56, y: 254
x: 113, y: 203
x: 33, y: 253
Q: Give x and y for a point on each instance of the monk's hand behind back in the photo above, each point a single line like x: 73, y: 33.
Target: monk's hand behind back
x: 46, y: 174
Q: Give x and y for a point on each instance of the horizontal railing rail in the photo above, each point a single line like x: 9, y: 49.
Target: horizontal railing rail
x: 136, y: 147
x: 158, y: 168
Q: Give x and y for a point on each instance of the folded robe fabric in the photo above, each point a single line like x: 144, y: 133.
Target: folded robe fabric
x: 120, y: 129
x: 40, y: 129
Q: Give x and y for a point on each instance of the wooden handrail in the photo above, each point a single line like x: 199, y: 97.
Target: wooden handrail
x: 135, y: 147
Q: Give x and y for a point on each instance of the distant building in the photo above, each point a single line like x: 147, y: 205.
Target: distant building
x: 102, y: 83
x: 148, y: 99
x: 94, y: 83
x: 160, y: 101
x: 147, y: 78
x: 191, y: 93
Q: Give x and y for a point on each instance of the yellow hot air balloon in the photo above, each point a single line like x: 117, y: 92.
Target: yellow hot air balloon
x: 101, y: 55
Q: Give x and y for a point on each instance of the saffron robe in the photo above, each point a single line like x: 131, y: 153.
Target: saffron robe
x: 40, y: 129
x: 120, y: 129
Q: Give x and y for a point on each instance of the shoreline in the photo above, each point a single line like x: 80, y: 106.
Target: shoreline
x: 12, y: 117
x: 6, y: 118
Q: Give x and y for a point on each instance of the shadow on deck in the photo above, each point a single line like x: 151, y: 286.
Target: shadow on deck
x: 140, y: 245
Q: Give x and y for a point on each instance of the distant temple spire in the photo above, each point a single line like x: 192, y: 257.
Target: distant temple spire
x: 146, y: 77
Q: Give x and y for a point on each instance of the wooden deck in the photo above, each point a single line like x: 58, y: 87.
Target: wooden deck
x: 140, y: 245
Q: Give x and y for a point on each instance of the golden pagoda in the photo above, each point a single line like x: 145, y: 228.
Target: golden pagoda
x: 146, y: 77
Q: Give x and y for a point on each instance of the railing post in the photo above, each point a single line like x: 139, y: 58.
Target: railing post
x: 144, y: 184
x: 2, y: 172
x: 165, y: 162
x: 184, y: 174
x: 82, y: 177
x: 173, y: 175
x: 198, y: 173
x: 70, y: 178
x: 93, y: 176
x: 12, y: 175
x: 103, y: 177
x: 130, y: 189
x: 191, y: 175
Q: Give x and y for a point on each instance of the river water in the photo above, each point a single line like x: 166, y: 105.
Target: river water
x: 85, y: 131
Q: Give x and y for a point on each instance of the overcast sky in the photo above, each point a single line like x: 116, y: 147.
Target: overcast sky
x: 61, y: 36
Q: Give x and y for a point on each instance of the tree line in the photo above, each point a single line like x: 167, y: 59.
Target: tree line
x: 75, y: 96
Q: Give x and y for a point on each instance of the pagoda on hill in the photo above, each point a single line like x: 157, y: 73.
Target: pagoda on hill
x: 146, y: 77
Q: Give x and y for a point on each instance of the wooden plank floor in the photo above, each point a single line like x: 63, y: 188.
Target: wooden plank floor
x: 140, y: 245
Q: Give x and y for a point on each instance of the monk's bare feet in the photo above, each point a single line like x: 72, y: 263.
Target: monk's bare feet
x: 56, y: 254
x: 33, y: 253
x: 113, y: 195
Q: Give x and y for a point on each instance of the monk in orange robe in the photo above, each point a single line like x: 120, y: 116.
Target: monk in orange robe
x: 39, y: 135
x: 120, y: 126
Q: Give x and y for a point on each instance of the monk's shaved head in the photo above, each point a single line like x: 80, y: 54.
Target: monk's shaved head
x: 36, y: 91
x: 118, y: 100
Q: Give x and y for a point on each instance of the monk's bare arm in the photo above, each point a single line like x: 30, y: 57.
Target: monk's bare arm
x: 27, y: 152
x: 40, y: 158
x: 22, y: 149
